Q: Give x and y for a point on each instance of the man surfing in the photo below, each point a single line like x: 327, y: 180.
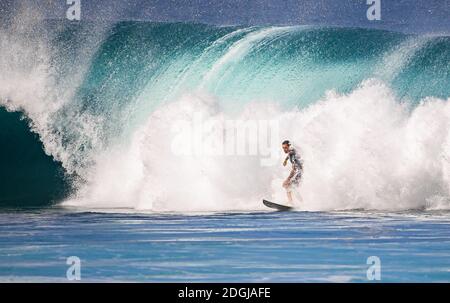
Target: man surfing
x: 293, y: 180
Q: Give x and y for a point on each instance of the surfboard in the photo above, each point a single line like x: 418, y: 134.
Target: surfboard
x: 277, y: 206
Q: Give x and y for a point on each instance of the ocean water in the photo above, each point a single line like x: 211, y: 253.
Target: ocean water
x: 94, y: 163
x: 225, y: 247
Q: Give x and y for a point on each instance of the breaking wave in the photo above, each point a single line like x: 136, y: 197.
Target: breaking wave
x: 368, y: 109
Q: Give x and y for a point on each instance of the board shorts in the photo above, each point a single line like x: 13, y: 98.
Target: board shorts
x: 295, y: 180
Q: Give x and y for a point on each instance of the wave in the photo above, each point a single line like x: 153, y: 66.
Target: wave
x: 29, y: 177
x: 362, y: 150
x: 368, y: 109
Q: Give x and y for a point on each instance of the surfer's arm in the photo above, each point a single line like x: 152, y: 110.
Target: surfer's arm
x: 290, y: 154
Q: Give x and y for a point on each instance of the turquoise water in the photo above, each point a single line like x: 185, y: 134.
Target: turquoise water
x: 225, y: 247
x: 97, y: 84
x: 85, y: 110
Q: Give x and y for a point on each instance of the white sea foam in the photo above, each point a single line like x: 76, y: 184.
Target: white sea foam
x: 365, y: 149
x: 361, y: 150
x: 30, y: 83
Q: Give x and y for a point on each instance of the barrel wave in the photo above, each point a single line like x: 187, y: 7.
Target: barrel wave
x: 369, y: 110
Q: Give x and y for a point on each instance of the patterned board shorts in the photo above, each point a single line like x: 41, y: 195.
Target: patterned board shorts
x: 295, y: 180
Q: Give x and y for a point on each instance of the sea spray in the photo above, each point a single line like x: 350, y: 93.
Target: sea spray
x: 363, y: 150
x: 103, y: 100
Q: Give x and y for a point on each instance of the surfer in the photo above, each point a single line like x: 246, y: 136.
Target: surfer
x: 293, y: 180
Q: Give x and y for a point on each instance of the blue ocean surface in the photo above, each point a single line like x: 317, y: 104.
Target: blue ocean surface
x: 224, y: 247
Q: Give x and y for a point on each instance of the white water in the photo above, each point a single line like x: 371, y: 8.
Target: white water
x: 30, y: 84
x: 362, y: 150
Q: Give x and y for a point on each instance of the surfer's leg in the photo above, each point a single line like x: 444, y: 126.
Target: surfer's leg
x: 288, y: 188
x: 289, y: 196
x: 294, y: 183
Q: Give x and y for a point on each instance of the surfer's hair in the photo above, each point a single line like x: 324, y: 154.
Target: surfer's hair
x: 286, y: 142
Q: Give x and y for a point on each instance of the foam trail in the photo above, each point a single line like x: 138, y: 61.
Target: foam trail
x: 400, y: 56
x: 238, y: 50
x: 219, y: 42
